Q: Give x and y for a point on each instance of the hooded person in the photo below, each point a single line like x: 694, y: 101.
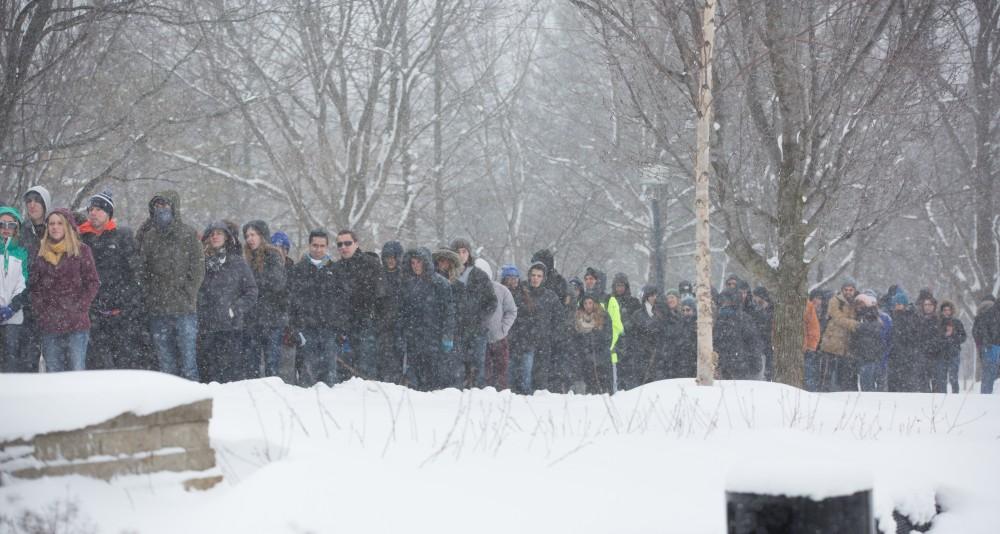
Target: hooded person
x: 427, y: 319
x: 170, y: 270
x: 63, y: 284
x: 594, y: 281
x: 265, y: 323
x: 499, y: 327
x: 116, y: 312
x: 225, y: 299
x: 553, y: 280
x: 13, y: 293
x: 905, y: 368
x: 476, y: 302
x: 620, y: 307
x: 37, y: 202
x: 980, y: 332
x: 685, y: 340
x: 390, y: 351
x: 592, y: 341
x: 734, y: 339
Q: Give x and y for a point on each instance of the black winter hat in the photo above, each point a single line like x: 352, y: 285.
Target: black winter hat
x: 103, y: 201
x: 592, y: 272
x: 685, y: 287
x: 648, y: 291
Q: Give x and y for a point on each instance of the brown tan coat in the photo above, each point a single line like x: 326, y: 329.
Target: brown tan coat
x: 840, y: 325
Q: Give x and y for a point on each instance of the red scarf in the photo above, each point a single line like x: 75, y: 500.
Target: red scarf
x: 87, y: 228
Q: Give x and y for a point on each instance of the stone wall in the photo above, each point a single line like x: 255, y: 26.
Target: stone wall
x: 175, y: 439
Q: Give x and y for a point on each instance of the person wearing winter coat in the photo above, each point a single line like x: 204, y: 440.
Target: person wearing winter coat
x: 762, y: 313
x: 13, y: 293
x: 646, y: 339
x: 866, y: 345
x: 686, y: 340
x: 985, y: 327
x: 554, y: 281
x: 115, y: 333
x: 592, y: 341
x: 620, y: 307
x: 476, y: 301
x: 37, y: 203
x: 810, y: 343
x: 498, y: 332
x: 988, y: 334
x: 318, y: 312
x: 953, y: 344
x: 948, y: 345
x: 389, y: 363
x: 927, y: 338
x: 671, y: 327
x: 427, y: 321
x: 267, y: 320
x: 62, y: 286
x: 364, y: 280
x: 905, y: 359
x: 734, y: 339
x: 533, y: 365
x: 840, y: 371
x: 225, y: 299
x: 170, y: 269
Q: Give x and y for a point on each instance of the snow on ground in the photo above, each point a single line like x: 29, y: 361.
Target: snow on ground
x: 372, y: 457
x: 35, y: 403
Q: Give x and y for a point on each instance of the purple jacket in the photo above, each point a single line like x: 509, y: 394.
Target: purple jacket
x: 61, y: 294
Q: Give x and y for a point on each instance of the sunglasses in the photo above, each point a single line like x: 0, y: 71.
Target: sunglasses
x: 344, y: 244
x: 11, y: 225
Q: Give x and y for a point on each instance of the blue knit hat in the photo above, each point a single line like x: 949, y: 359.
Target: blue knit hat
x: 280, y: 239
x: 900, y: 298
x: 509, y: 270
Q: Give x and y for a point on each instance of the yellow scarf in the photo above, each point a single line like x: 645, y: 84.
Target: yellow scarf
x: 54, y: 252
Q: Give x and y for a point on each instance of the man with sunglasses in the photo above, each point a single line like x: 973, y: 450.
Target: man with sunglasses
x: 13, y: 294
x: 363, y: 275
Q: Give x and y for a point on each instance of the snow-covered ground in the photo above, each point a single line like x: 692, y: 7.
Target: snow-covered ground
x: 372, y: 457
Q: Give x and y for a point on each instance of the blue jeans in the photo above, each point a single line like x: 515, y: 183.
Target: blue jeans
x: 473, y: 351
x: 870, y: 373
x: 812, y: 371
x: 318, y: 357
x: 65, y: 352
x: 991, y: 367
x: 266, y: 341
x: 12, y: 361
x: 519, y: 372
x: 953, y: 363
x: 175, y: 338
x: 362, y: 354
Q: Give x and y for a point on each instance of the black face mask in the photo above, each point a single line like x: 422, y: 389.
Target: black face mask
x: 163, y: 216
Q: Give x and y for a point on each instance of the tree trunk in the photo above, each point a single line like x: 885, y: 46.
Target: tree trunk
x: 706, y: 355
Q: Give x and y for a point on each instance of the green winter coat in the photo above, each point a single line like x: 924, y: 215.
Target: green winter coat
x: 170, y: 264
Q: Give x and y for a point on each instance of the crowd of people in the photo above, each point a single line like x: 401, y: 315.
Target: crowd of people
x: 78, y: 291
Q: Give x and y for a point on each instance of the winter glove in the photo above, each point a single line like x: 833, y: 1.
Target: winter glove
x: 6, y: 313
x: 447, y: 345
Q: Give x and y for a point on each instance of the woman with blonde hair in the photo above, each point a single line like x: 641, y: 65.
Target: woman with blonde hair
x: 62, y: 284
